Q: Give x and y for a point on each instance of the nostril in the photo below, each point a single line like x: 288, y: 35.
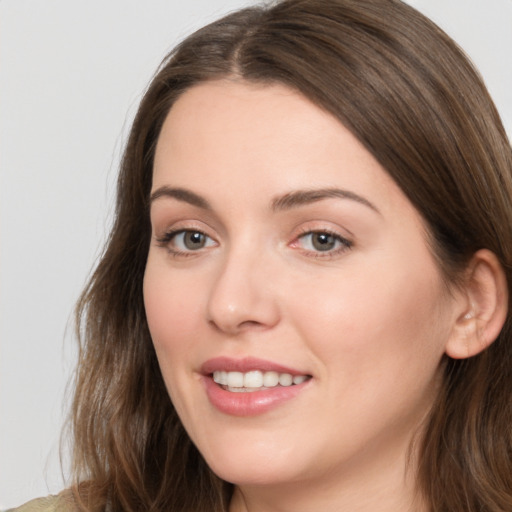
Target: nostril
x: 250, y: 324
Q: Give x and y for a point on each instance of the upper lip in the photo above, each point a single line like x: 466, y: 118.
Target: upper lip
x: 245, y: 364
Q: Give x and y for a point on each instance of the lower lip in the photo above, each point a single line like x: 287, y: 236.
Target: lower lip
x: 249, y: 403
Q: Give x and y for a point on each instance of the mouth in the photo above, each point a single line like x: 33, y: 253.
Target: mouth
x: 250, y: 386
x: 255, y: 380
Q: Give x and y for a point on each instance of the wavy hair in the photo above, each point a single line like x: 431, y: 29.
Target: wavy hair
x: 413, y: 99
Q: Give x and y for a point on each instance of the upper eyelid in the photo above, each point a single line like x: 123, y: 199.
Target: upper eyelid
x: 212, y: 220
x: 346, y: 241
x: 323, y: 226
x: 173, y: 232
x: 172, y: 211
x: 305, y: 227
x: 324, y: 231
x: 182, y: 225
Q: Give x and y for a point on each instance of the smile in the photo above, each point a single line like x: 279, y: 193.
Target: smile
x: 251, y: 386
x: 255, y: 380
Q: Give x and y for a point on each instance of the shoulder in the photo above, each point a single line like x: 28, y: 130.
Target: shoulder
x: 60, y: 503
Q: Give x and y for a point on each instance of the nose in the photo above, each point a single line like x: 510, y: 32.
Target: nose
x: 243, y: 297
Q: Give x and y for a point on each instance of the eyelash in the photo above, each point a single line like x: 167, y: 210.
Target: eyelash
x: 166, y: 239
x: 344, y: 244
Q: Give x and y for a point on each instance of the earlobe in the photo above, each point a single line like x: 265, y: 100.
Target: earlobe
x: 484, y: 306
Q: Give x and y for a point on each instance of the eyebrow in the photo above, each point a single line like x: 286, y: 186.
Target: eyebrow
x: 181, y: 194
x: 285, y: 202
x: 303, y: 197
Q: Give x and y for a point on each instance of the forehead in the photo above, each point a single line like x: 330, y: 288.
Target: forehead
x: 268, y: 139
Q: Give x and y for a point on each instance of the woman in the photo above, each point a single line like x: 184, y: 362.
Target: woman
x: 303, y: 302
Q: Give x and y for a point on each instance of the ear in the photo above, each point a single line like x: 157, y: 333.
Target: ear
x: 483, y: 307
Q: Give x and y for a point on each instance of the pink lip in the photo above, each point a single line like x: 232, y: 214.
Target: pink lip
x: 246, y: 364
x: 250, y: 403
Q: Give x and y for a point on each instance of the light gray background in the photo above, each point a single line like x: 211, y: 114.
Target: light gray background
x: 71, y: 74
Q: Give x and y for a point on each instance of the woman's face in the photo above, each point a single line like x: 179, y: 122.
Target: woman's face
x: 288, y: 265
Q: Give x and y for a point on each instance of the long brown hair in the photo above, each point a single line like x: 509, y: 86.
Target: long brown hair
x: 408, y: 93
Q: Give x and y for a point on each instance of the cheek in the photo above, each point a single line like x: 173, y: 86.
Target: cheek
x: 379, y: 321
x: 170, y: 311
x: 378, y: 342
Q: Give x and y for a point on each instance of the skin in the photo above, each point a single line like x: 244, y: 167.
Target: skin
x: 368, y: 321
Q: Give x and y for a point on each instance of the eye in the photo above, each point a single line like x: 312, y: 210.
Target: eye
x: 190, y: 240
x: 322, y: 242
x: 185, y: 241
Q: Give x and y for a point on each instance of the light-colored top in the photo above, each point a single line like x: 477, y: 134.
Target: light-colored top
x: 49, y: 504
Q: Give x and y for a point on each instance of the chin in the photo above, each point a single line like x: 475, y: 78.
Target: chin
x: 254, y: 465
x: 246, y: 474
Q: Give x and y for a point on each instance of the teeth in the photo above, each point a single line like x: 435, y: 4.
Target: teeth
x: 285, y: 379
x: 235, y: 380
x: 255, y: 379
x: 299, y: 379
x: 270, y: 379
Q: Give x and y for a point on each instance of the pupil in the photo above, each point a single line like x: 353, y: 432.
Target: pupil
x: 323, y: 241
x: 194, y: 240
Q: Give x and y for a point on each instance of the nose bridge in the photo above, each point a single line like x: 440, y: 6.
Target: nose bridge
x: 242, y: 296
